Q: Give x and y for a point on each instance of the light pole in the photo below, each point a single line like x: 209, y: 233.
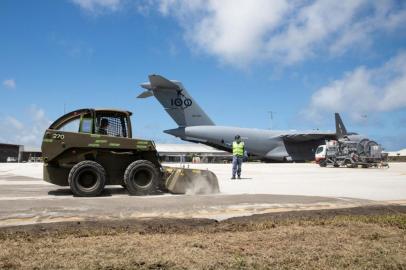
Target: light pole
x: 366, y: 123
x: 271, y: 113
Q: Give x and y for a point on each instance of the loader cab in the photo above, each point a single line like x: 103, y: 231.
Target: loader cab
x: 96, y: 121
x: 113, y: 123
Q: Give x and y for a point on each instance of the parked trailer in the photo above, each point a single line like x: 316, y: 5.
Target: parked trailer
x: 351, y: 154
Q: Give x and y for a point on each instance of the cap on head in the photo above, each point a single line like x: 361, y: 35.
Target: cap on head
x: 237, y: 137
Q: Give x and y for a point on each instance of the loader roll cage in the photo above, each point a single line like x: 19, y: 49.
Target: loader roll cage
x: 90, y: 121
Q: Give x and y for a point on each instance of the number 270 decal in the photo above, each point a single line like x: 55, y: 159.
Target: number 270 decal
x: 58, y: 136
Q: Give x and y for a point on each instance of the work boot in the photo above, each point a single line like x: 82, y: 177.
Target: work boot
x: 239, y: 177
x: 233, y: 177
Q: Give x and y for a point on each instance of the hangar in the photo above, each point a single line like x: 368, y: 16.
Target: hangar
x: 32, y: 154
x: 397, y: 155
x: 10, y: 152
x: 191, y: 152
x: 19, y: 153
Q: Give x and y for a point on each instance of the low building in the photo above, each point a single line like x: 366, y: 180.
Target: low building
x: 19, y: 153
x: 10, y: 152
x: 167, y: 152
x: 397, y: 155
x: 31, y: 154
x: 191, y: 152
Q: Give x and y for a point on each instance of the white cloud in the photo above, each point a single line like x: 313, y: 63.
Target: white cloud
x: 232, y: 32
x: 144, y: 7
x: 14, y: 123
x: 96, y: 6
x: 312, y: 25
x: 363, y: 91
x: 28, y: 132
x: 239, y: 32
x: 230, y: 29
x: 10, y: 83
x: 385, y: 17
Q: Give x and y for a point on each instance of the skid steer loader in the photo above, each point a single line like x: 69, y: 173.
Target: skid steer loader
x: 88, y: 149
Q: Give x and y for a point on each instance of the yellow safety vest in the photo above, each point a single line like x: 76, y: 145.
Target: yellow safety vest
x: 238, y: 149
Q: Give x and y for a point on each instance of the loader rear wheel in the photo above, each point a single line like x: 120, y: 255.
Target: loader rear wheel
x: 141, y: 178
x: 87, y: 179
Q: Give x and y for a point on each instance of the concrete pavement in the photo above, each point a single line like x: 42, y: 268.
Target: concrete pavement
x: 26, y: 199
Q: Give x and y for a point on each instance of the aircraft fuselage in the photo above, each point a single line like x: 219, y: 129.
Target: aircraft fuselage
x: 266, y: 144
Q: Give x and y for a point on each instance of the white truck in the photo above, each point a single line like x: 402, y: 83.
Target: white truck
x: 351, y: 154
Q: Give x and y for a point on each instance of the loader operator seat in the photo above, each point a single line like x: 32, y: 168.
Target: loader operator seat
x: 104, y: 125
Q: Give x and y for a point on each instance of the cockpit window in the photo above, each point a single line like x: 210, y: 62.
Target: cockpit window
x: 86, y: 125
x: 71, y: 126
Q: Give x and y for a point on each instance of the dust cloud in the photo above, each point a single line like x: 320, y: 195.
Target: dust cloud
x: 200, y: 185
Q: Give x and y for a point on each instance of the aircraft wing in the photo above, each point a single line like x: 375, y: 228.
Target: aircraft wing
x: 341, y: 131
x: 302, y: 137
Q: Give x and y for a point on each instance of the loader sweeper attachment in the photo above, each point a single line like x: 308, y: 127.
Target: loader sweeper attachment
x: 190, y: 181
x: 88, y: 149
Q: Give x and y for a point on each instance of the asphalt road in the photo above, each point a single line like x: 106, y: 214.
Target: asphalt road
x: 25, y: 198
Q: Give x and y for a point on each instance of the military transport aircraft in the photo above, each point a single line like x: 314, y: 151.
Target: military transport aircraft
x: 195, y: 125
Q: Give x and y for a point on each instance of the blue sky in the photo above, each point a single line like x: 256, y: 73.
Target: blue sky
x: 301, y: 59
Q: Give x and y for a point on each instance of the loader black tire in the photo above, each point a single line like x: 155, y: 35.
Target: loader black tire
x: 141, y: 177
x: 87, y: 179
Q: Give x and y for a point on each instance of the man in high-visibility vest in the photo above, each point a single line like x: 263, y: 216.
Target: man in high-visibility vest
x: 238, y: 155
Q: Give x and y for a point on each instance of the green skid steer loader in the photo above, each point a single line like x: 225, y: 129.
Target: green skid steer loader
x: 88, y: 149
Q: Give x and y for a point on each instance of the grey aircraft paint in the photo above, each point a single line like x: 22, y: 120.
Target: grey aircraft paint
x: 195, y: 125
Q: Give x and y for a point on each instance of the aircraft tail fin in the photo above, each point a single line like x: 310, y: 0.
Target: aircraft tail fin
x: 177, y: 102
x: 341, y: 131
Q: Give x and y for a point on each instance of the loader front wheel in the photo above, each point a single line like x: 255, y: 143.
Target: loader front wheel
x: 141, y: 178
x: 87, y: 179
